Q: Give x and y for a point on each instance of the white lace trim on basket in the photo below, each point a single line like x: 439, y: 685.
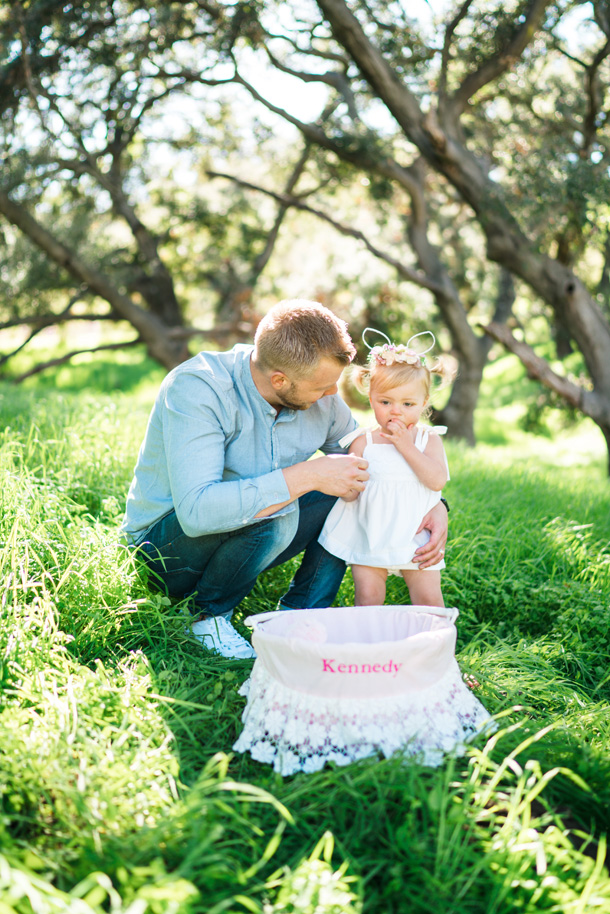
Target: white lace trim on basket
x: 295, y: 731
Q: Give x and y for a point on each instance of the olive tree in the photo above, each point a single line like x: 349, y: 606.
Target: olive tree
x: 93, y: 106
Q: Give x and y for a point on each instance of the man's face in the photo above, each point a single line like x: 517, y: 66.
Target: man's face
x: 303, y: 393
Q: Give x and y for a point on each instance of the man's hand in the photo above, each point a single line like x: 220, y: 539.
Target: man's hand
x: 434, y: 550
x: 344, y: 475
x: 340, y: 474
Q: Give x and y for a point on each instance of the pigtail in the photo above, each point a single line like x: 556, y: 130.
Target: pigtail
x: 354, y: 386
x: 443, y: 370
x: 360, y: 377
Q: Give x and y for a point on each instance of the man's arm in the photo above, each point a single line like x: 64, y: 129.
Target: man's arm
x: 336, y: 474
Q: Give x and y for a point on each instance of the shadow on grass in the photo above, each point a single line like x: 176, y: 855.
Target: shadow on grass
x: 101, y: 373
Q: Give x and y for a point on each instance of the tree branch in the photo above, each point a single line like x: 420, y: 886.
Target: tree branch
x: 594, y: 96
x: 505, y: 298
x: 25, y: 57
x: 42, y: 322
x: 449, y: 33
x: 399, y: 99
x: 48, y: 320
x: 411, y: 275
x: 540, y: 370
x: 355, y: 153
x: 506, y: 242
x: 158, y: 287
x: 263, y: 258
x: 502, y: 61
x: 152, y: 329
x: 334, y: 79
x: 9, y: 355
x: 309, y: 52
x: 192, y: 76
x: 436, y: 278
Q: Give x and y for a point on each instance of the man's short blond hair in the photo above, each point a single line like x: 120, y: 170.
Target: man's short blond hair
x: 295, y: 334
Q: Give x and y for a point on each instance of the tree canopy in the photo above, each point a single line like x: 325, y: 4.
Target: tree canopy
x: 477, y: 142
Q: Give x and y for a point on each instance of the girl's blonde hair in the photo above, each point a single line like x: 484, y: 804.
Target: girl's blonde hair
x: 379, y: 375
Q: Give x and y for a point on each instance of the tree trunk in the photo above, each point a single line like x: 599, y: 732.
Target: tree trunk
x: 471, y: 351
x: 458, y: 413
x: 606, y: 432
x: 154, y: 283
x: 156, y: 334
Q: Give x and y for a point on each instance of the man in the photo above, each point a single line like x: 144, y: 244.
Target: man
x: 224, y: 487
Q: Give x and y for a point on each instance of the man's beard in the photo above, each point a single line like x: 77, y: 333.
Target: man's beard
x: 289, y: 401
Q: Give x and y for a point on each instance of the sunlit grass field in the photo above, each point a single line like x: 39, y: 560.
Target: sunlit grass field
x: 119, y: 791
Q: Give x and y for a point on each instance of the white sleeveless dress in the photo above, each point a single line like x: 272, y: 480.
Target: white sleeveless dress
x: 379, y: 528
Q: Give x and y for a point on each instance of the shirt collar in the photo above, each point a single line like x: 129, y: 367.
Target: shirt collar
x: 250, y: 386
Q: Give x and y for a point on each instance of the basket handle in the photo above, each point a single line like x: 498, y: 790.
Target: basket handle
x: 445, y: 612
x: 259, y: 618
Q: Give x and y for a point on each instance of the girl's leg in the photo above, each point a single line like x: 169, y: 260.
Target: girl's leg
x: 369, y: 585
x: 424, y: 587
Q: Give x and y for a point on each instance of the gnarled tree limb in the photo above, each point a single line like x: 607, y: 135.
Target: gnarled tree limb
x: 586, y: 401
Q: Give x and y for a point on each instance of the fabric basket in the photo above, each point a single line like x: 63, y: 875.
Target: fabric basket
x: 344, y: 683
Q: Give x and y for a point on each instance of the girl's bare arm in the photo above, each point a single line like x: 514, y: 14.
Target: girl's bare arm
x: 429, y: 466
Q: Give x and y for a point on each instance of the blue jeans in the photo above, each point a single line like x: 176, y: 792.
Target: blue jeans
x: 219, y: 569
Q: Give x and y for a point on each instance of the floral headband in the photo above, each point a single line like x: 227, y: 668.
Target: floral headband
x: 391, y: 353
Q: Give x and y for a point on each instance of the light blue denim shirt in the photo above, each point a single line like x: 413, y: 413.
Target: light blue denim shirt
x: 214, y: 448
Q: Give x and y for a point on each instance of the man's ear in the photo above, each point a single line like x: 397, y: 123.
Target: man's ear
x: 278, y: 380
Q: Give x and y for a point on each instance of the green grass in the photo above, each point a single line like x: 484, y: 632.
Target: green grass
x: 118, y: 788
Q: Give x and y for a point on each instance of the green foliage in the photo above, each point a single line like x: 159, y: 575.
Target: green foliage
x: 23, y: 891
x: 314, y: 886
x: 118, y: 790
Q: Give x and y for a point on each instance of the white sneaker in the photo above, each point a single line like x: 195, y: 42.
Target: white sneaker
x: 217, y: 634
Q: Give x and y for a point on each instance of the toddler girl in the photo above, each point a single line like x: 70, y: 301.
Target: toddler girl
x: 378, y: 531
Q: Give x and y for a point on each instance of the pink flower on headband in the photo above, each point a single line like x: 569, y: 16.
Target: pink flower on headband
x: 389, y: 353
